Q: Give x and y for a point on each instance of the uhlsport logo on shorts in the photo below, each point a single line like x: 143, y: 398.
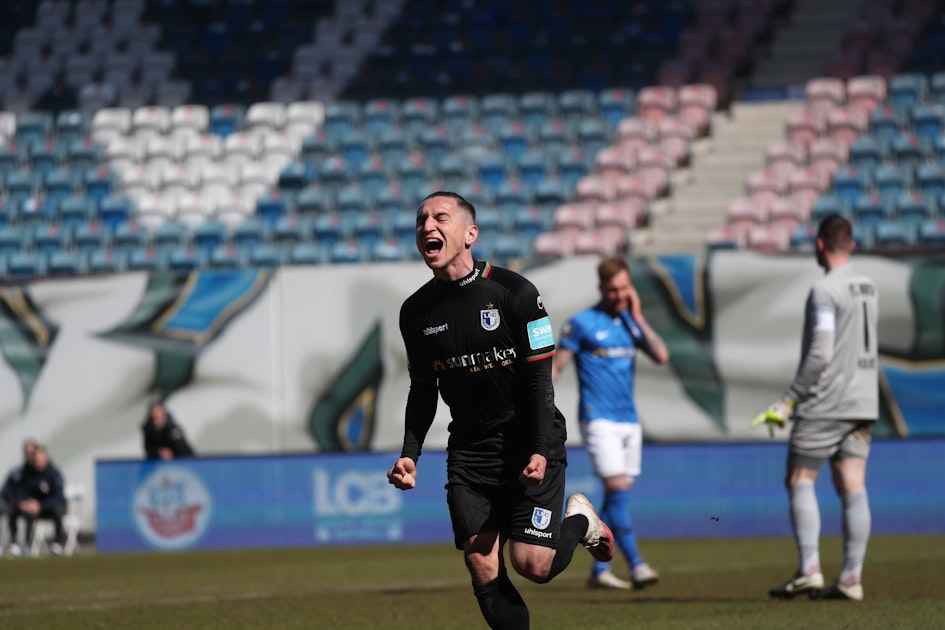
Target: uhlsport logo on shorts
x: 171, y: 508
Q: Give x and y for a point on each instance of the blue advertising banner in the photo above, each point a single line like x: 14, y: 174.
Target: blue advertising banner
x: 686, y: 491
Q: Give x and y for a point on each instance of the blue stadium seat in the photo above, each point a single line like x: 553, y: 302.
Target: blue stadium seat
x: 477, y: 193
x: 373, y: 176
x: 866, y: 153
x: 348, y: 251
x: 404, y: 227
x: 381, y: 114
x: 268, y: 255
x: 914, y: 208
x: 932, y: 233
x: 508, y: 247
x: 51, y: 237
x: 9, y: 210
x: 930, y: 179
x: 497, y: 110
x: 171, y: 234
x: 576, y: 105
x: 26, y: 264
x: 491, y: 221
x: 308, y: 253
x: 849, y: 182
x: 453, y: 171
x: 885, y: 123
x: 99, y: 183
x: 532, y: 168
x: 864, y: 235
x: 871, y: 209
x: 414, y: 175
x: 551, y: 193
x: 335, y: 174
x: 37, y: 210
x: 131, y: 235
x: 355, y: 147
x: 272, y: 205
x: 227, y: 118
x: 295, y: 176
x: 513, y: 140
x: 554, y: 139
x: 459, y: 112
x: 372, y: 227
x: 891, y: 180
x: 72, y: 125
x: 46, y: 156
x: 34, y: 127
x: 492, y: 171
x: 592, y: 136
x: 330, y: 229
x: 571, y: 167
x: 85, y: 155
x: 13, y: 238
x: 115, y: 210
x: 209, y: 234
x: 92, y: 236
x: 391, y: 200
x: 352, y: 202
x: 827, y: 205
x: 292, y: 229
x: 341, y: 117
x: 537, y: 108
x: 512, y: 195
x: 21, y: 185
x: 107, y: 260
x: 530, y: 221
x: 937, y: 86
x: 392, y: 250
x: 906, y: 90
x: 896, y: 234
x: 251, y: 231
x: 928, y: 120
x: 60, y: 184
x: 147, y: 259
x: 228, y: 256
x: 185, y: 258
x: 803, y: 238
x: 393, y: 146
x: 312, y: 201
x: 616, y: 104
x: 315, y: 148
x: 418, y: 114
x: 910, y: 150
x: 434, y: 141
x: 11, y: 157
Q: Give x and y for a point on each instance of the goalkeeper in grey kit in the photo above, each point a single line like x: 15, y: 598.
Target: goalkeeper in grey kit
x: 834, y: 403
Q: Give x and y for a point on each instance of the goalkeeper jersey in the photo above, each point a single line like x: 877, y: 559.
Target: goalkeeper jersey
x: 605, y: 349
x: 838, y: 371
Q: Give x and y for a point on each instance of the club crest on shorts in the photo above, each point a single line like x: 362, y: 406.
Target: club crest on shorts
x: 541, y: 518
x: 489, y: 318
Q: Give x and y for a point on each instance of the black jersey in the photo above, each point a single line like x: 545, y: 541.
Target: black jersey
x: 485, y: 343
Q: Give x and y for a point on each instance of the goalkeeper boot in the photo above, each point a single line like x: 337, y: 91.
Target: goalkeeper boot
x: 643, y: 575
x: 606, y: 579
x: 598, y: 539
x: 851, y: 592
x: 798, y: 584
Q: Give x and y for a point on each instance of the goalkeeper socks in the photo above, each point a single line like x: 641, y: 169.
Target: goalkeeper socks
x: 856, y: 533
x: 573, y: 529
x: 501, y: 604
x: 805, y: 519
x: 616, y: 513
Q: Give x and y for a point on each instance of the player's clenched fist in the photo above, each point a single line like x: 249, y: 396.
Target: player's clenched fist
x: 403, y: 474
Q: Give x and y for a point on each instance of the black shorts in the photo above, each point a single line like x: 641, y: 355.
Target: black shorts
x: 529, y: 514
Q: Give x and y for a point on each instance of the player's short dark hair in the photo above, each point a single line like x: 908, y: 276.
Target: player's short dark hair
x: 459, y: 199
x: 836, y: 233
x: 610, y: 267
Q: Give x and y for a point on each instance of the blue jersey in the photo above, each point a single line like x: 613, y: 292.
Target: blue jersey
x: 604, y: 350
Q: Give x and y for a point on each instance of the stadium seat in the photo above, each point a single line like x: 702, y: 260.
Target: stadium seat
x: 170, y: 234
x: 825, y: 94
x: 27, y: 264
x: 185, y: 259
x: 226, y: 118
x: 147, y: 259
x: 592, y: 136
x: 268, y: 255
x: 829, y: 204
x: 330, y: 229
x: 866, y: 154
x: 418, y: 114
x: 932, y: 233
x: 513, y: 140
x: 497, y: 110
x: 930, y: 180
x: 52, y: 237
x: 571, y: 167
x: 615, y: 104
x: 866, y: 92
x: 91, y: 236
x: 575, y: 105
x: 803, y: 238
x: 551, y: 246
x: 907, y: 90
x: 341, y: 117
x: 434, y: 142
x: 803, y: 127
x: 391, y: 250
x: 72, y: 125
x: 107, y: 261
x: 914, y: 208
x: 554, y: 138
x: 76, y: 210
x: 459, y: 112
x: 381, y: 114
x: 347, y: 252
x: 209, y: 234
x: 393, y: 146
x: 532, y: 168
x: 910, y: 150
x: 536, y: 108
x: 871, y: 209
x: 896, y: 234
x: 885, y: 123
x: 848, y: 182
x: 928, y: 120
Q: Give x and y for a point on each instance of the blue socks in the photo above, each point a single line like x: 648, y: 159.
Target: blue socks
x: 616, y: 513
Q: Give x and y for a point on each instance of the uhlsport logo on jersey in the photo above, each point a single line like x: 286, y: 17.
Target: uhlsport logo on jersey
x: 171, y: 508
x: 489, y: 318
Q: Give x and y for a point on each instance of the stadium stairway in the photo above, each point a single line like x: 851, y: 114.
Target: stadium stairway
x: 804, y: 43
x: 720, y: 168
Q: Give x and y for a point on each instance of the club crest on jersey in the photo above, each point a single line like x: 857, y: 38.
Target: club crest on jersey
x: 541, y: 518
x: 489, y: 318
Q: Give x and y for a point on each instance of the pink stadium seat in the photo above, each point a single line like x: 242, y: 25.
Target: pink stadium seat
x: 866, y: 92
x: 553, y: 246
x: 845, y: 124
x: 573, y: 218
x: 595, y: 189
x: 825, y: 155
x: 603, y: 242
x: 634, y: 132
x: 769, y: 239
x: 656, y: 102
x: 788, y: 213
x: 806, y: 185
x: 745, y: 212
x: 614, y: 161
x: 782, y: 158
x: 618, y: 214
x: 763, y: 187
x: 825, y: 94
x: 727, y: 237
x: 804, y: 126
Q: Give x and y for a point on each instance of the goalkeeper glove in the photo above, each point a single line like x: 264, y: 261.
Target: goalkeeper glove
x: 776, y: 415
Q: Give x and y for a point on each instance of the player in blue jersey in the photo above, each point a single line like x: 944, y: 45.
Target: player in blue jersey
x: 603, y: 340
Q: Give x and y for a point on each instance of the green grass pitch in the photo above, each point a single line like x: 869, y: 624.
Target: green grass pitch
x: 706, y: 584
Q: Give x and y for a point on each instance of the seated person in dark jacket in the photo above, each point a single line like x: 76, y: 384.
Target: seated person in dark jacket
x: 163, y: 438
x: 33, y: 492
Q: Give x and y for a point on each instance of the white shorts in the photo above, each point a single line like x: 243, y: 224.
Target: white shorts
x: 614, y: 448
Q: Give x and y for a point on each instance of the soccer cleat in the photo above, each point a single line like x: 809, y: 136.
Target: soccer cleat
x: 797, y: 585
x: 598, y: 539
x: 606, y: 579
x: 15, y: 550
x: 643, y: 575
x: 55, y: 549
x: 850, y: 592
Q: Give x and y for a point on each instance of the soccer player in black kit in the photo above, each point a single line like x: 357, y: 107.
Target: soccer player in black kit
x: 479, y: 336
